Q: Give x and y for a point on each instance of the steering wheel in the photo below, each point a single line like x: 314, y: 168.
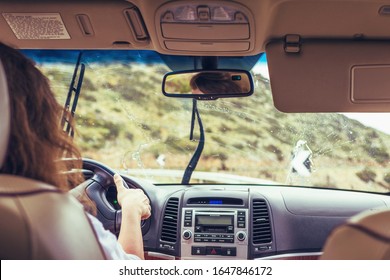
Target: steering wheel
x: 99, y: 181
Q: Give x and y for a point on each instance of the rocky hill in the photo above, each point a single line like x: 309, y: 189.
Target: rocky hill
x: 125, y: 121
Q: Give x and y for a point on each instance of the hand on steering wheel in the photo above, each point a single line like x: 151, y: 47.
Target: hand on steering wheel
x: 132, y: 200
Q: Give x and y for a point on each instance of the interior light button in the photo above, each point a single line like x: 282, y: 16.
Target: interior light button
x: 203, y: 13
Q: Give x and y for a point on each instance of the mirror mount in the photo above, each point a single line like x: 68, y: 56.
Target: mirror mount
x: 209, y: 62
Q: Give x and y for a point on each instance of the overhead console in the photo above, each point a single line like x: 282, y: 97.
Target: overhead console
x: 218, y: 27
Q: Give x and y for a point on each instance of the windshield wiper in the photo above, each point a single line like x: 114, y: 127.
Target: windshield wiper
x: 74, y: 92
x: 198, y: 152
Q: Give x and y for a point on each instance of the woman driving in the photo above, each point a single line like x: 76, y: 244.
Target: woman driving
x: 37, y: 143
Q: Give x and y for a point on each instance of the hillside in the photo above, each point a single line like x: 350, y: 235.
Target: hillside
x: 125, y: 121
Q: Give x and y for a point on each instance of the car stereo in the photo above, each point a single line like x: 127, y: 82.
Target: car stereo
x: 214, y: 233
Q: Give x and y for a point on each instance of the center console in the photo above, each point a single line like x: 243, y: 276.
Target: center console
x: 218, y: 231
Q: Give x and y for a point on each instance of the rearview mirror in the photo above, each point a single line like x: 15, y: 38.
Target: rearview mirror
x: 208, y: 84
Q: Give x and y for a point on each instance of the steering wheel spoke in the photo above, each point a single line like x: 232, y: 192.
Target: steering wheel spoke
x: 100, y: 181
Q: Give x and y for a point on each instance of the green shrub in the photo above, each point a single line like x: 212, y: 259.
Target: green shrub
x: 386, y: 178
x: 366, y: 175
x: 276, y: 151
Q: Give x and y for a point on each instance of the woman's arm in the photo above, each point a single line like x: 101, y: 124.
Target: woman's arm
x: 135, y: 207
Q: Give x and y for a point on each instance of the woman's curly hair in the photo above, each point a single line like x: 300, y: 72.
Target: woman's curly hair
x: 37, y: 143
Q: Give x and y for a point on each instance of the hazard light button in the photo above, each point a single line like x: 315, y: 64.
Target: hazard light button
x: 214, y: 251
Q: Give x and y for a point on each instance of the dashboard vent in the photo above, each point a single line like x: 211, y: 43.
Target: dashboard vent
x: 169, y: 226
x: 261, y: 222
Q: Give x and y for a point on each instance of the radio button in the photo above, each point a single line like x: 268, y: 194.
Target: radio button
x: 241, y: 213
x: 187, y: 224
x: 188, y: 218
x: 241, y: 219
x: 241, y: 225
x: 229, y: 251
x: 198, y: 240
x: 198, y: 250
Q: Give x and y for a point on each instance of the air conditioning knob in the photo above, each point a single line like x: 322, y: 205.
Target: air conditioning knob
x: 241, y: 236
x: 187, y: 234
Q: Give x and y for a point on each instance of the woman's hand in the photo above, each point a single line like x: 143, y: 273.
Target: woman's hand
x: 133, y: 200
x: 135, y: 207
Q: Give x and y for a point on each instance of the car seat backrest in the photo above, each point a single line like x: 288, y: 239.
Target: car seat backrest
x: 363, y: 237
x: 38, y: 221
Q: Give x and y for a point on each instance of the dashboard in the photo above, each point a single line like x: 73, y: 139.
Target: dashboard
x: 250, y: 222
x: 233, y: 221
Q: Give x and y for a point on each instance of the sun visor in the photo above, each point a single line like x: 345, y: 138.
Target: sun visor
x: 329, y: 76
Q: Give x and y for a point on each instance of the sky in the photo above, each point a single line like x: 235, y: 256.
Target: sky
x: 380, y: 121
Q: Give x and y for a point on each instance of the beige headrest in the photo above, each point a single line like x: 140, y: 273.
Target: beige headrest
x: 364, y: 237
x: 4, y: 115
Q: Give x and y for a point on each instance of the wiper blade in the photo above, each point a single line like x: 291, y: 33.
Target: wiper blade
x: 73, y: 97
x: 198, y: 152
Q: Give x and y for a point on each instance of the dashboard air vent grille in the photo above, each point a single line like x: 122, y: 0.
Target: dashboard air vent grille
x: 261, y: 222
x: 169, y: 226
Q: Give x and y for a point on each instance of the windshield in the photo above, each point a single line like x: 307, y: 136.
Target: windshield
x: 125, y: 122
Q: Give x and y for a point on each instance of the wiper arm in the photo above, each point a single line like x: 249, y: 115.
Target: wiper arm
x: 74, y: 91
x: 198, y: 152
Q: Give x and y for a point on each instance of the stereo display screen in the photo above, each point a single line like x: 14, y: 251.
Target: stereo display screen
x: 206, y: 220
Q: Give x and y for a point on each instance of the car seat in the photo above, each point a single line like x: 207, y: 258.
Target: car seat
x: 365, y: 236
x: 37, y: 220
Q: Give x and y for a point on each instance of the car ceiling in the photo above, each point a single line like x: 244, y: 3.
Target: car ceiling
x: 268, y: 20
x: 305, y: 41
